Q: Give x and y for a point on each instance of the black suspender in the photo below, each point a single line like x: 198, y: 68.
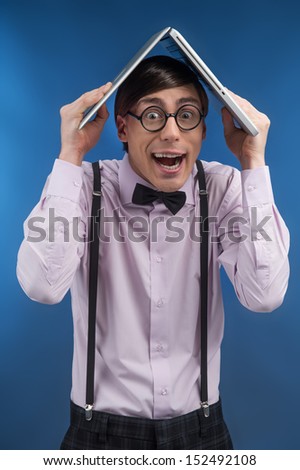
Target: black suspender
x: 94, y: 234
x: 204, y: 227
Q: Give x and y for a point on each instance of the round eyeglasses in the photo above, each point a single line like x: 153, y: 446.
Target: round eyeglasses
x: 154, y: 118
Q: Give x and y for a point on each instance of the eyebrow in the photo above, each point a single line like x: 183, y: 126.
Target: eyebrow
x: 183, y: 100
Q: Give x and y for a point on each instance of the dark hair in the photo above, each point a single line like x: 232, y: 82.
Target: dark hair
x: 154, y: 74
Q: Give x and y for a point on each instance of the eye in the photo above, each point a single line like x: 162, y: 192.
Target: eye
x: 186, y: 114
x: 153, y: 114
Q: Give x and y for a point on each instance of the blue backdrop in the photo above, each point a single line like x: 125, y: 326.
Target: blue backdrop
x: 53, y: 51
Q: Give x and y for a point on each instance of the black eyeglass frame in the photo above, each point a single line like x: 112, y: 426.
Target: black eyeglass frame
x: 167, y: 115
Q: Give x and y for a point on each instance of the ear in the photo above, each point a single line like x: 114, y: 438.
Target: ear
x: 203, y: 130
x: 122, y: 129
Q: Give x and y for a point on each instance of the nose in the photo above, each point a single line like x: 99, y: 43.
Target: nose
x: 171, y: 131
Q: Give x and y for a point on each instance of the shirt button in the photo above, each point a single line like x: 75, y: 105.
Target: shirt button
x: 164, y: 391
x: 159, y: 259
x: 76, y: 183
x: 251, y: 188
x: 160, y: 303
x: 159, y: 347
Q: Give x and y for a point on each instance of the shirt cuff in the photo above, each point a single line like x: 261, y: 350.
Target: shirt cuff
x: 65, y: 180
x: 256, y: 186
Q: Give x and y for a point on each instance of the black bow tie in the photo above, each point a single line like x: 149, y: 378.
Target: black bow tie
x: 174, y: 201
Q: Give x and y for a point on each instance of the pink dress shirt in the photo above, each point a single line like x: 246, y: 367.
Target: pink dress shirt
x: 147, y: 355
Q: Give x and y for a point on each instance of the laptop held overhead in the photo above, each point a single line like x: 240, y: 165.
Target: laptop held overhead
x: 180, y: 49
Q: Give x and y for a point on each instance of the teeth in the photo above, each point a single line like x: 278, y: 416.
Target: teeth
x: 167, y: 155
x: 171, y: 167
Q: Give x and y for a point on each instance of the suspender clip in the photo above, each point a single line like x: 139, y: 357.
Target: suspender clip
x: 205, y: 407
x: 97, y: 193
x: 203, y: 192
x: 88, y: 412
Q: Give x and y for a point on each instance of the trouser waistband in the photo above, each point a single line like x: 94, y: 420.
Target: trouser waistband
x: 145, y: 428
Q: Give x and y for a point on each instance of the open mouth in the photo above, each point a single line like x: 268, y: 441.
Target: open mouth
x: 168, y: 161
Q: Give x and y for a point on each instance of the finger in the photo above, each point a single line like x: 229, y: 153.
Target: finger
x: 90, y: 98
x: 261, y: 120
x: 243, y: 103
x: 234, y: 95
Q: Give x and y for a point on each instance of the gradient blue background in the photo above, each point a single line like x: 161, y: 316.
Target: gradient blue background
x: 51, y: 52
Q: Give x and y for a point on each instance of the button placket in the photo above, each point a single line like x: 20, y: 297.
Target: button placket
x: 158, y: 317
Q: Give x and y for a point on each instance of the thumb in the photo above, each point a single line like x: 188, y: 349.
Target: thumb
x: 228, y: 123
x: 102, y: 114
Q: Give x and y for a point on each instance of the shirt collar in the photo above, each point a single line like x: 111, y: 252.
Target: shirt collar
x: 128, y: 179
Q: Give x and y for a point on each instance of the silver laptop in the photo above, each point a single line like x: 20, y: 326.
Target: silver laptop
x: 180, y: 49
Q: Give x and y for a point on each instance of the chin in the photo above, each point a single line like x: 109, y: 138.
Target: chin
x: 170, y: 185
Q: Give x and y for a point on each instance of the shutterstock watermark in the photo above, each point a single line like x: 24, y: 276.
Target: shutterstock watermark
x: 138, y: 229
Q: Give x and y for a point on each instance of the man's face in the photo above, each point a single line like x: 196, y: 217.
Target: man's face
x: 145, y: 148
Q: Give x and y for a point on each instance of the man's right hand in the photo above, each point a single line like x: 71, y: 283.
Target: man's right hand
x: 76, y: 143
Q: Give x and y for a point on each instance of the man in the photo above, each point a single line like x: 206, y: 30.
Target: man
x: 147, y: 354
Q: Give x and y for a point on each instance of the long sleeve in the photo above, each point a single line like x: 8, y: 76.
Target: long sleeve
x: 54, y: 234
x: 254, y: 241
